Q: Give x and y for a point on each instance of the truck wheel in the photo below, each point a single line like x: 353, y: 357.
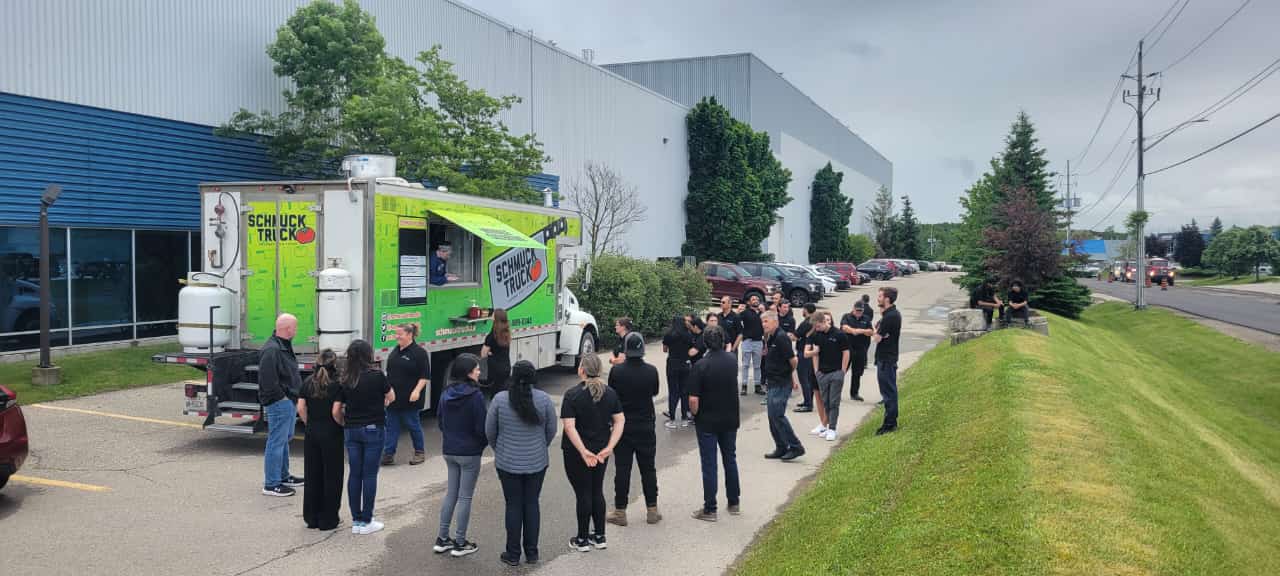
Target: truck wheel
x: 586, y: 346
x: 799, y: 298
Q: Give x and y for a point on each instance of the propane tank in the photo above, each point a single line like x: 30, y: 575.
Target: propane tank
x: 333, y: 311
x: 204, y: 293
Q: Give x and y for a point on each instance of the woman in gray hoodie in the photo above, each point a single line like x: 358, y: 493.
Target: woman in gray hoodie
x: 520, y: 426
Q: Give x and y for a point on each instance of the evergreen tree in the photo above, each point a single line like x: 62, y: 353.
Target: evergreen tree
x: 880, y: 219
x: 1023, y: 165
x: 1189, y: 246
x: 1216, y: 228
x: 829, y: 215
x: 907, y: 233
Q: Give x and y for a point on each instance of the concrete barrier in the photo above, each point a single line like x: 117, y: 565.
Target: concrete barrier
x: 966, y: 324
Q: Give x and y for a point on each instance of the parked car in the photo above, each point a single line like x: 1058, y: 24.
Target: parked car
x: 911, y: 266
x: 893, y: 266
x: 846, y: 269
x: 13, y: 435
x: 863, y: 277
x: 1264, y: 270
x: 829, y: 284
x: 1085, y: 270
x: 877, y: 270
x: 842, y: 281
x: 798, y: 288
x: 731, y: 280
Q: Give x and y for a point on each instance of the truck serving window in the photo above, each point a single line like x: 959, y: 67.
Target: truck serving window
x: 464, y: 262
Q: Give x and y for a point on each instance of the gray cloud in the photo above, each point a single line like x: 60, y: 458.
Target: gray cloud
x: 862, y: 49
x: 964, y: 166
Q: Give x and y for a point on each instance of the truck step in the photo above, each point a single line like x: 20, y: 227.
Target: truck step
x: 244, y: 386
x: 251, y: 368
x: 240, y: 406
x: 232, y: 428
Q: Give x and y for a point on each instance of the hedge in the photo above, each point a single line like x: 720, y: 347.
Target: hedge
x: 650, y: 293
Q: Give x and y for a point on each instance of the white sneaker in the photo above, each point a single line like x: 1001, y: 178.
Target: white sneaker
x: 371, y: 527
x: 356, y: 527
x: 820, y: 430
x: 830, y: 436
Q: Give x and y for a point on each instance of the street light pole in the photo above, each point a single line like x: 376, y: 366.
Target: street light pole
x: 45, y: 373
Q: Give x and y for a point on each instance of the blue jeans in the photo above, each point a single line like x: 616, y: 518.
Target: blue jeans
x: 364, y: 450
x: 463, y: 472
x: 282, y: 417
x: 784, y: 437
x: 727, y: 442
x: 887, y: 376
x: 751, y: 350
x: 412, y: 420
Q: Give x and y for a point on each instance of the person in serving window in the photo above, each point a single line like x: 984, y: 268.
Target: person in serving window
x: 439, y: 265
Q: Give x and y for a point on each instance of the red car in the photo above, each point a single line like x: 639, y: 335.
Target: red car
x: 846, y: 270
x: 731, y: 280
x: 13, y: 435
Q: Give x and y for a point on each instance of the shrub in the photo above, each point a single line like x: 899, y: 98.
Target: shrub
x: 1062, y: 296
x: 648, y: 292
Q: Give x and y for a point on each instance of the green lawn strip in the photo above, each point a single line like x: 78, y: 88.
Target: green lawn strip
x: 94, y: 372
x: 944, y: 495
x: 1226, y: 281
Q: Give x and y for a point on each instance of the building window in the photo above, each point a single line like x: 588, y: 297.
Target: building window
x: 464, y: 262
x: 20, y: 287
x: 162, y: 261
x: 101, y: 278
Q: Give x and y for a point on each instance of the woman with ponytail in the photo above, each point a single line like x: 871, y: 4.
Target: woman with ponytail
x: 520, y: 426
x: 593, y: 423
x: 322, y: 488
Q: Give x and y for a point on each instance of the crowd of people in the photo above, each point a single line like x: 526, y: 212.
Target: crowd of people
x: 711, y: 361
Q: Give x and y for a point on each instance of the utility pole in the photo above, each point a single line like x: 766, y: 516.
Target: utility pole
x: 1140, y: 97
x: 1069, y: 203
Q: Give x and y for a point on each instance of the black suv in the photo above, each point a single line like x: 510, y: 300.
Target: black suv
x: 799, y: 289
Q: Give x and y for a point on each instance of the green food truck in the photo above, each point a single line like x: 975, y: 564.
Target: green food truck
x: 351, y: 259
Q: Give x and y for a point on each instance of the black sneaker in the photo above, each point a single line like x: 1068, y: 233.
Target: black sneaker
x: 443, y: 545
x: 509, y: 560
x: 599, y: 542
x: 857, y: 398
x: 279, y: 491
x: 744, y: 391
x: 802, y: 409
x: 530, y: 558
x: 293, y: 482
x: 886, y: 430
x: 760, y: 390
x: 462, y: 548
x: 776, y: 454
x: 793, y: 453
x: 580, y: 544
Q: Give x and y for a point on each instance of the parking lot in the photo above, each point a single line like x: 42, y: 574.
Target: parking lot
x: 115, y: 479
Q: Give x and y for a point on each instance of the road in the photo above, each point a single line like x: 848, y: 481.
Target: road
x: 1257, y: 311
x: 141, y: 490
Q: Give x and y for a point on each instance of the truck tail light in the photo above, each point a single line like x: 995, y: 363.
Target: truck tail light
x: 7, y: 398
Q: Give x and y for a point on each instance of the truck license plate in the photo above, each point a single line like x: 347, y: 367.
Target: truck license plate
x: 196, y: 404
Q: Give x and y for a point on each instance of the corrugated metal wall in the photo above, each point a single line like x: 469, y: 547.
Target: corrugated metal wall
x: 200, y: 62
x: 689, y: 80
x: 117, y: 170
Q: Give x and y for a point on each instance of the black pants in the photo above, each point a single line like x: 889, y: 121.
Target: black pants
x: 643, y: 444
x: 588, y: 487
x: 322, y: 488
x: 524, y: 515
x: 676, y: 396
x: 808, y: 380
x: 857, y: 366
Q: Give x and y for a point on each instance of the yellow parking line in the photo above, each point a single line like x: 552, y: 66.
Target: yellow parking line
x: 114, y: 415
x: 59, y: 483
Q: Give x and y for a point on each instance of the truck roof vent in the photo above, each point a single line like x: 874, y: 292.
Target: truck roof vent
x: 369, y: 166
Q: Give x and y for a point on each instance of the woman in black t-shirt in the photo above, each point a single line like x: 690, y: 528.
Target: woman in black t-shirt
x: 322, y: 488
x: 497, y: 352
x: 593, y: 423
x: 678, y: 344
x: 361, y: 410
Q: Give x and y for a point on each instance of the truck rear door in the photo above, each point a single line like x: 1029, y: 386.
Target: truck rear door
x: 282, y: 234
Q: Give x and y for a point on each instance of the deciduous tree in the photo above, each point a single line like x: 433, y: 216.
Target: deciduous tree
x: 609, y: 207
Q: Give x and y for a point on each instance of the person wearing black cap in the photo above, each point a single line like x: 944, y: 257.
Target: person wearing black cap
x: 857, y: 326
x: 636, y: 383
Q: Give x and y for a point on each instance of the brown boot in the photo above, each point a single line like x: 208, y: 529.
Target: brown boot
x: 653, y: 516
x: 618, y: 517
x: 388, y: 459
x: 418, y: 458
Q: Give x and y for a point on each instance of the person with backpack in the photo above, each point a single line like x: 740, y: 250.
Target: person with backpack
x: 322, y: 489
x: 462, y: 416
x: 520, y: 426
x: 593, y: 423
x: 361, y: 409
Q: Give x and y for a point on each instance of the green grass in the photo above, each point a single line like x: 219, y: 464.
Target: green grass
x: 94, y: 372
x: 1228, y: 281
x: 1126, y: 443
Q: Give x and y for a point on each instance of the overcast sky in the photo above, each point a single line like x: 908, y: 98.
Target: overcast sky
x: 934, y: 85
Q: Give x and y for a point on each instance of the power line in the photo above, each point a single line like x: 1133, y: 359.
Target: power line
x: 1206, y: 38
x: 1114, y: 208
x: 1114, y: 147
x: 1115, y: 178
x: 1168, y: 26
x: 1217, y: 146
x: 1111, y: 102
x: 1225, y: 101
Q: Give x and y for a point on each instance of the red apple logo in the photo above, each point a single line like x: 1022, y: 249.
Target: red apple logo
x: 305, y: 235
x: 535, y: 271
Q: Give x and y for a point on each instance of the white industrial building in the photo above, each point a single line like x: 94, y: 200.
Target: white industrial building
x: 129, y: 91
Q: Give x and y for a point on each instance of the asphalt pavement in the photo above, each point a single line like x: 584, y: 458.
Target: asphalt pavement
x: 1258, y: 311
x: 123, y: 483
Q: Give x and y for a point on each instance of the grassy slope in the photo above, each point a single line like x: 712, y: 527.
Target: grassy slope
x: 94, y: 372
x: 1127, y: 443
x: 1226, y: 281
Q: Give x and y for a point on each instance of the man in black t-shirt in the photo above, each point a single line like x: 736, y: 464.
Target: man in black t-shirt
x: 1017, y: 305
x: 730, y: 323
x: 888, y: 332
x: 857, y: 327
x: 808, y: 381
x: 987, y: 301
x: 621, y: 327
x: 750, y: 344
x: 779, y: 368
x: 714, y: 402
x: 828, y: 353
x: 636, y: 383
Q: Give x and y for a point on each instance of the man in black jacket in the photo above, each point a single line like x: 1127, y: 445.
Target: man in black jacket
x: 636, y: 383
x: 278, y: 385
x: 888, y: 332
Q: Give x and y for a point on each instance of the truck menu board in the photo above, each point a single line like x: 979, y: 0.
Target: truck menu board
x: 413, y: 261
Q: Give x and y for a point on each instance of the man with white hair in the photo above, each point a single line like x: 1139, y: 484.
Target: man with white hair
x: 278, y: 385
x: 439, y: 265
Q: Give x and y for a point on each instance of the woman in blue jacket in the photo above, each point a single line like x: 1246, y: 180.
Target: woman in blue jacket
x: 462, y: 417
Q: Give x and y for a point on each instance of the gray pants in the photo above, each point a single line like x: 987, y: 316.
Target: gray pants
x: 463, y: 471
x: 830, y: 385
